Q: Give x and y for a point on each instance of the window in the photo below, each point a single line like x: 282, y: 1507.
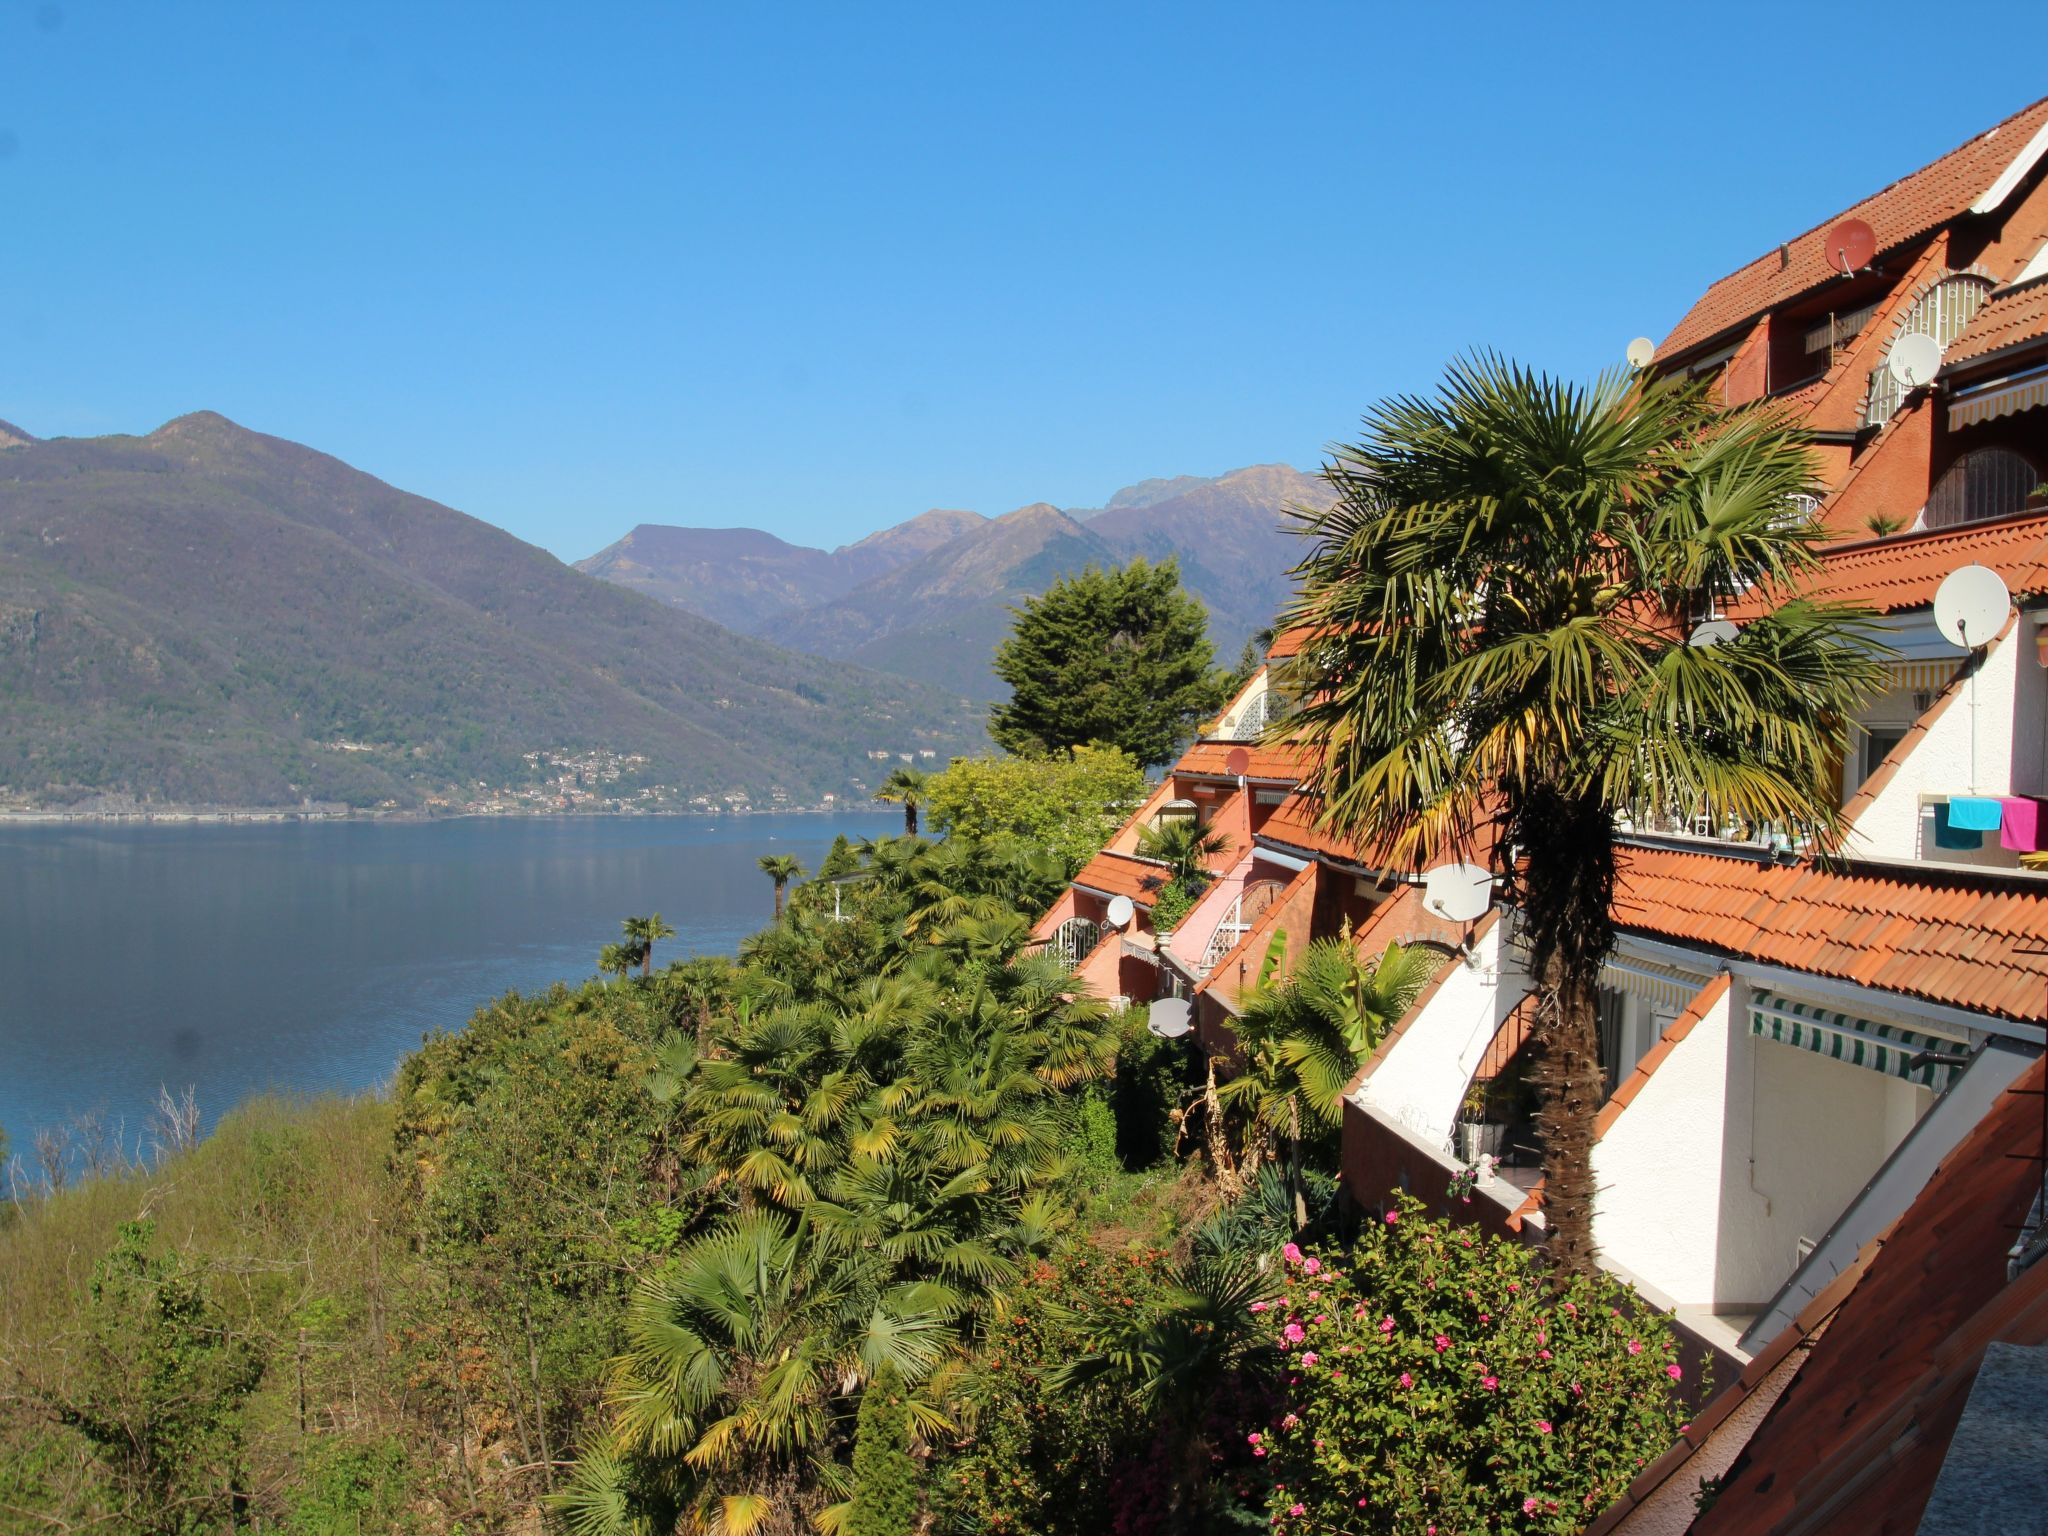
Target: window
x: 1613, y: 1017
x: 1878, y: 742
x: 1941, y: 312
x: 1986, y: 482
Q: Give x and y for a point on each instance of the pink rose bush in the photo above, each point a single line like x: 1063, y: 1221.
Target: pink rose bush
x: 1475, y: 1396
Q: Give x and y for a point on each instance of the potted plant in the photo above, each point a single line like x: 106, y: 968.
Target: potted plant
x: 1478, y: 1135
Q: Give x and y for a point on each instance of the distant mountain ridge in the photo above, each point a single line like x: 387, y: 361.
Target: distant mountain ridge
x: 208, y: 615
x: 939, y: 599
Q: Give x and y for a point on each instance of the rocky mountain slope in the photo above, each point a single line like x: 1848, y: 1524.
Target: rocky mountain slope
x: 941, y: 596
x: 207, y: 615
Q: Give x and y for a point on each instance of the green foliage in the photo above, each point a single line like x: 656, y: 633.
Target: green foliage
x: 1172, y: 902
x: 1118, y: 658
x: 781, y: 868
x: 349, y: 1488
x: 1069, y: 804
x: 1439, y: 1376
x: 884, y: 1473
x: 157, y: 1390
x: 905, y: 787
x: 1183, y: 844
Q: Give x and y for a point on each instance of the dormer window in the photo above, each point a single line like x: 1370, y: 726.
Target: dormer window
x: 1984, y: 483
x: 1941, y: 312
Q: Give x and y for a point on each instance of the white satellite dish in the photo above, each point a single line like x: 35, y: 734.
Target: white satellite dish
x: 1169, y: 1018
x: 1713, y: 632
x: 1459, y: 892
x: 1913, y: 360
x: 1971, y: 605
x: 1121, y: 911
x: 1641, y: 352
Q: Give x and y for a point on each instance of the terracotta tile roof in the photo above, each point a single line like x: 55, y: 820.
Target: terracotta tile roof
x: 1118, y: 874
x: 1901, y: 572
x: 1290, y: 642
x: 2008, y: 319
x: 1855, y: 1441
x: 1280, y: 763
x: 1293, y: 823
x: 1923, y: 201
x: 1969, y: 940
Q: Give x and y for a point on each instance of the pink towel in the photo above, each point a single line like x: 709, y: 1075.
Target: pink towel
x: 2020, y: 826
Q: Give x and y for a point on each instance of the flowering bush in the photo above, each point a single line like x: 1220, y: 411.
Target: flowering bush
x: 1440, y: 1381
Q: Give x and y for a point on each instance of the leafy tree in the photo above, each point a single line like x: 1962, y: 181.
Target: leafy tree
x: 617, y: 959
x: 1119, y: 657
x: 1183, y: 845
x: 840, y: 859
x: 157, y: 1390
x: 1436, y: 1376
x: 642, y: 933
x: 1505, y: 587
x: 1070, y: 804
x: 884, y: 1473
x: 781, y: 868
x: 905, y: 786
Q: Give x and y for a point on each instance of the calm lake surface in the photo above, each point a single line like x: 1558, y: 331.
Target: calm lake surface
x: 310, y: 957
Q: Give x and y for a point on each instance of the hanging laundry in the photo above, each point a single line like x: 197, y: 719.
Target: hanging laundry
x: 1975, y: 813
x: 1949, y: 835
x: 2023, y: 825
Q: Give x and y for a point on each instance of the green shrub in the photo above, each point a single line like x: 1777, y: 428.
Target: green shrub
x: 884, y: 1475
x: 1437, y: 1376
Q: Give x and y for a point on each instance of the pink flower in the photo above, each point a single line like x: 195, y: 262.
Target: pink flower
x: 1528, y: 1506
x: 1635, y: 1346
x: 1442, y: 1343
x: 1292, y: 1333
x: 1255, y: 1437
x: 1486, y: 1317
x: 1298, y: 1510
x: 1312, y: 1265
x: 1361, y: 1503
x: 1310, y: 1357
x: 1393, y: 1218
x: 1577, y: 1390
x: 1673, y: 1372
x: 1489, y: 1382
x: 1543, y: 1426
x: 1258, y: 1306
x: 1514, y: 1286
x: 1290, y: 1421
x: 1321, y: 1318
x: 1258, y: 1450
x: 1542, y: 1354
x: 1386, y: 1325
x: 1569, y: 1307
x: 1291, y: 1254
x: 1407, y: 1380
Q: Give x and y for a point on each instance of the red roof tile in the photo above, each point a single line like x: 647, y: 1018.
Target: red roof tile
x: 1855, y: 1441
x: 2009, y: 319
x: 1279, y: 763
x: 1901, y: 572
x: 1972, y: 941
x: 1294, y: 822
x: 1118, y: 874
x: 1923, y: 201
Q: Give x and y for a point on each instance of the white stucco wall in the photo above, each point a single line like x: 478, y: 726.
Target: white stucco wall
x: 1421, y: 1080
x: 1657, y: 1171
x: 2009, y: 751
x: 1804, y: 1134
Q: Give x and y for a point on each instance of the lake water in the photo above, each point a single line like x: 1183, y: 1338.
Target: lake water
x: 310, y: 957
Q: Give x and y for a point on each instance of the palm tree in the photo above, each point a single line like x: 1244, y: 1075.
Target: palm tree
x: 781, y: 868
x: 1306, y: 1037
x: 1504, y: 591
x: 617, y: 959
x: 906, y: 785
x: 642, y: 932
x: 1185, y: 845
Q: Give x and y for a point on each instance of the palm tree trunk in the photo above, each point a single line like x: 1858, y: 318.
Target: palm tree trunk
x: 778, y: 901
x: 1567, y: 893
x: 910, y: 818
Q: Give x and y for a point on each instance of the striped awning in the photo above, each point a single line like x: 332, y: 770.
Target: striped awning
x: 1885, y: 1048
x: 1922, y: 676
x: 2005, y: 397
x: 1663, y: 984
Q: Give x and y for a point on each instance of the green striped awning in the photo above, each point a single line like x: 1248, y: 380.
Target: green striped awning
x: 1885, y: 1048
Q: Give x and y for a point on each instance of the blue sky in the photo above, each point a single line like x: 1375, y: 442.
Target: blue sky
x: 574, y: 267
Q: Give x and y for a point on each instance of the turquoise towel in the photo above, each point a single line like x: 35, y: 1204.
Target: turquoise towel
x: 1949, y: 835
x: 1973, y: 813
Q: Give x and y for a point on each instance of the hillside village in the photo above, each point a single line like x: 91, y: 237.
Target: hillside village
x: 1821, y: 1148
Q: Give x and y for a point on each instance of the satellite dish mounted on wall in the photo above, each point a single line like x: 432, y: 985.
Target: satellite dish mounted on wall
x: 1971, y: 605
x: 1121, y: 910
x: 1851, y: 244
x: 1641, y: 352
x: 1914, y: 360
x: 1460, y: 892
x: 1168, y: 1018
x: 1238, y: 763
x: 1712, y: 632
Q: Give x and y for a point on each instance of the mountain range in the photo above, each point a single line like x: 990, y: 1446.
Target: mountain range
x: 930, y: 598
x: 210, y: 616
